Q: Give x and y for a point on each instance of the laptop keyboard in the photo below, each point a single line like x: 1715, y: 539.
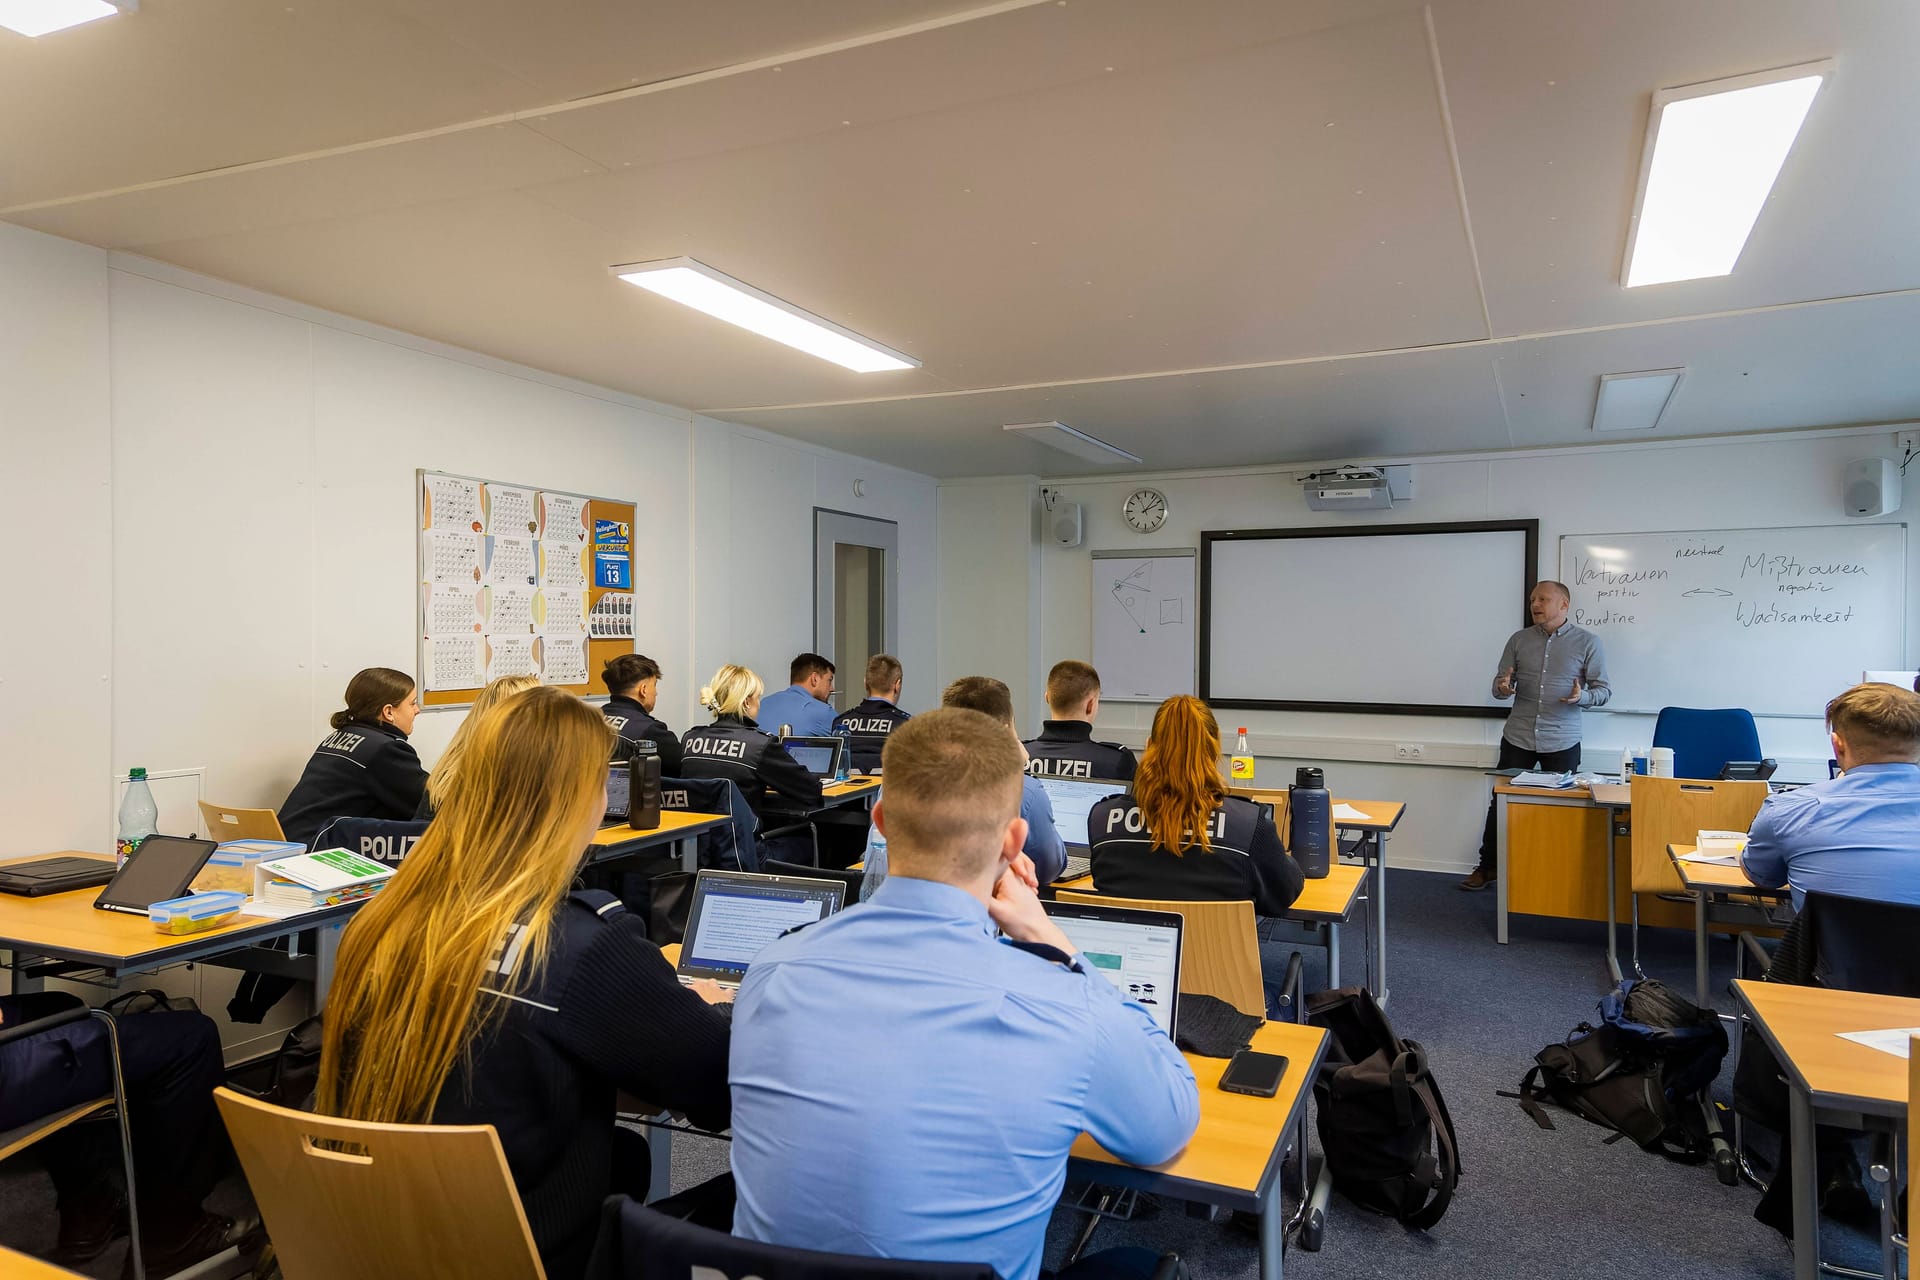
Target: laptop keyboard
x: 1077, y: 867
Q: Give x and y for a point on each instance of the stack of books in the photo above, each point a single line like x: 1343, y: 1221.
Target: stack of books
x: 323, y: 879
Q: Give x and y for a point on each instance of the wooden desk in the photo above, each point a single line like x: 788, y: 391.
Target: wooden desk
x: 1709, y: 883
x: 846, y: 792
x: 677, y: 828
x: 21, y: 1266
x: 1234, y: 1156
x: 67, y: 927
x: 1378, y: 821
x: 1832, y: 1081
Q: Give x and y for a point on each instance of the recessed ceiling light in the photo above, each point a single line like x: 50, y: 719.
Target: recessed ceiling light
x: 1058, y: 435
x: 1635, y: 401
x: 1712, y: 153
x: 699, y: 286
x: 39, y: 17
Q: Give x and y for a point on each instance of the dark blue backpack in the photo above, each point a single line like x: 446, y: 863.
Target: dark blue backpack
x: 1643, y: 1071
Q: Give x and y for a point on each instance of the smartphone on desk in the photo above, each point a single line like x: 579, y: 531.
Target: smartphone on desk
x: 1258, y: 1074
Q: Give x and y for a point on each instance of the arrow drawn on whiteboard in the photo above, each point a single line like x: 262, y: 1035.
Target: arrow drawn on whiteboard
x: 1707, y: 591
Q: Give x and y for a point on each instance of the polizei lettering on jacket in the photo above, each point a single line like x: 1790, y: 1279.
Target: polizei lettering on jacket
x: 866, y: 726
x: 341, y: 740
x: 1040, y: 767
x: 730, y: 748
x: 1129, y: 819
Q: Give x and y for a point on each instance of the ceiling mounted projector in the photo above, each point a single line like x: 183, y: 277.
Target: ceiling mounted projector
x: 1356, y: 488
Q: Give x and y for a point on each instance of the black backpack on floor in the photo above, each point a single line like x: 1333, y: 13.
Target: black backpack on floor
x: 1642, y: 1072
x: 1384, y: 1127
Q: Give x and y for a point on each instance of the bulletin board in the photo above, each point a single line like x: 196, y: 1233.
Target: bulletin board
x: 518, y: 580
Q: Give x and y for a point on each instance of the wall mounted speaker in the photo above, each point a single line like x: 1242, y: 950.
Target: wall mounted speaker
x: 1871, y: 487
x: 1068, y: 525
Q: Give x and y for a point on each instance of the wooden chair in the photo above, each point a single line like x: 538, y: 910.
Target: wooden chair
x: 1913, y: 1141
x: 20, y: 1266
x: 380, y: 1199
x: 1219, y: 949
x: 1675, y: 811
x: 115, y: 1104
x: 225, y: 822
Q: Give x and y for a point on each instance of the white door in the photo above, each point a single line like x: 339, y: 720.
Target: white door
x: 856, y: 580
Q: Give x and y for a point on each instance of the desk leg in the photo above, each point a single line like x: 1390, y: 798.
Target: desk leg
x: 1273, y: 1226
x: 1806, y: 1186
x: 1500, y: 870
x: 326, y: 945
x: 22, y: 983
x: 1700, y: 949
x: 687, y: 849
x: 660, y: 1148
x: 1379, y: 950
x: 1333, y: 955
x: 1613, y: 881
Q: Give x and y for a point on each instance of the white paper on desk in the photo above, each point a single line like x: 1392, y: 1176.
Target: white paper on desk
x: 1351, y: 814
x: 1712, y: 859
x: 1549, y: 781
x: 1893, y: 1040
x: 273, y: 910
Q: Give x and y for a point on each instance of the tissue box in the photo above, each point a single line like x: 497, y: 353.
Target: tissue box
x: 230, y: 867
x: 195, y: 912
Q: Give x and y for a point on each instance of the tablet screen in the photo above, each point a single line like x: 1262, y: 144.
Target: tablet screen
x: 161, y: 868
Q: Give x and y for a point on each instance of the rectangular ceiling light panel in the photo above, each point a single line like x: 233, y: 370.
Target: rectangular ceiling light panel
x: 1635, y: 401
x: 1713, y: 151
x: 1058, y: 435
x: 42, y: 17
x: 699, y: 286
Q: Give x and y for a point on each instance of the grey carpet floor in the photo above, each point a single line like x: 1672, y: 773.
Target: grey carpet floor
x: 1532, y: 1202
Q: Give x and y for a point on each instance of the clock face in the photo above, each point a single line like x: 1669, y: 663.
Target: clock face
x: 1146, y: 509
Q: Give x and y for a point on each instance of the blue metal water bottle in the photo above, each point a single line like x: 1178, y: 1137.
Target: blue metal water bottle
x: 1310, y: 822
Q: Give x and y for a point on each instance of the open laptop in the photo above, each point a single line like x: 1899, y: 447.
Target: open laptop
x: 40, y: 876
x: 1138, y: 951
x: 1073, y: 799
x: 735, y: 913
x: 818, y: 756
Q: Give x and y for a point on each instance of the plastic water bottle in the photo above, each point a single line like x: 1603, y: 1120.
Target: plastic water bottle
x: 1626, y: 764
x: 846, y: 751
x: 643, y: 789
x: 1310, y: 822
x: 876, y: 863
x: 139, y: 815
x: 1240, y: 767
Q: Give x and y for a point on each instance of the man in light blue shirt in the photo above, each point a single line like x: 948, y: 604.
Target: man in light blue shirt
x: 907, y: 1085
x: 1044, y: 844
x: 1857, y: 835
x: 803, y: 703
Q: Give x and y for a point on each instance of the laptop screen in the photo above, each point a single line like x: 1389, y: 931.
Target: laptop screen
x: 1137, y: 951
x: 619, y: 790
x: 735, y: 913
x: 1073, y: 799
x: 818, y: 756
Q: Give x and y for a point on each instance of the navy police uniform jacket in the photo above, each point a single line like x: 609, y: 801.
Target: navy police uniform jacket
x: 605, y: 1012
x: 360, y: 770
x: 733, y: 747
x: 1066, y: 749
x: 634, y: 723
x: 867, y: 727
x: 1247, y: 860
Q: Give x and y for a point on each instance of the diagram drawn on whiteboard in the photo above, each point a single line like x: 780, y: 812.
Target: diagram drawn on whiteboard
x: 1137, y: 599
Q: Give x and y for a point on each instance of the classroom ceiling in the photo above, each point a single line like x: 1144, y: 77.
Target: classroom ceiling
x: 1214, y: 232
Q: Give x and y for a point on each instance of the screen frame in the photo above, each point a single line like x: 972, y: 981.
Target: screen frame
x: 832, y: 742
x: 834, y: 892
x: 107, y: 902
x: 1531, y: 572
x: 1080, y: 909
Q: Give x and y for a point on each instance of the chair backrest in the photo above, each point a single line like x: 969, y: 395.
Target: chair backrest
x: 1675, y: 811
x: 1862, y: 944
x: 729, y: 848
x: 1913, y: 1136
x: 638, y: 1243
x: 1219, y: 948
x: 226, y: 822
x: 1703, y: 741
x: 383, y: 840
x: 346, y: 1198
x: 852, y: 879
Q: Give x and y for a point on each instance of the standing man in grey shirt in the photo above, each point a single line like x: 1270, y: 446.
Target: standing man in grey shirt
x: 1551, y: 670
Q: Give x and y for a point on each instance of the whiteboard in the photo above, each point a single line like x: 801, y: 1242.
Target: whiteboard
x: 1774, y: 620
x: 1408, y: 619
x: 1144, y: 606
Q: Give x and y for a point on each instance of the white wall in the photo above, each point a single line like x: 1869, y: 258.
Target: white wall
x: 56, y: 646
x: 1753, y: 482
x: 990, y: 582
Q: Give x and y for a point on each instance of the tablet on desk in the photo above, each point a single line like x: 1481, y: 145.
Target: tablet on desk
x: 161, y: 868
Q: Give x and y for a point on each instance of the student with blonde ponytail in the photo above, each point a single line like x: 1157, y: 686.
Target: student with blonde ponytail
x: 476, y: 989
x: 1179, y: 834
x: 496, y: 692
x: 733, y: 747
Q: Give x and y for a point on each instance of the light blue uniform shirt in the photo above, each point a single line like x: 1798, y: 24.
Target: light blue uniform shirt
x: 906, y: 1086
x: 1856, y: 835
x: 1044, y: 843
x: 810, y: 717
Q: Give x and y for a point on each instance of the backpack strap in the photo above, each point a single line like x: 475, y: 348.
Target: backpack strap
x: 1446, y: 1168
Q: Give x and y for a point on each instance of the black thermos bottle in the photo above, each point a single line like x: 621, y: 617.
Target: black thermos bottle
x: 1310, y: 822
x: 644, y: 787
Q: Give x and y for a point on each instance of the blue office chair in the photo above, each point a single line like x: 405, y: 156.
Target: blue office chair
x: 1704, y: 741
x: 377, y: 839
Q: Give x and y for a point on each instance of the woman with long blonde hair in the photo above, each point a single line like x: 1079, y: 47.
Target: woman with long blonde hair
x: 733, y: 747
x: 438, y: 781
x: 475, y: 989
x: 1179, y: 834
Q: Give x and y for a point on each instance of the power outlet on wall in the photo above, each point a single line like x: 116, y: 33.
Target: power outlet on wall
x: 1409, y: 750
